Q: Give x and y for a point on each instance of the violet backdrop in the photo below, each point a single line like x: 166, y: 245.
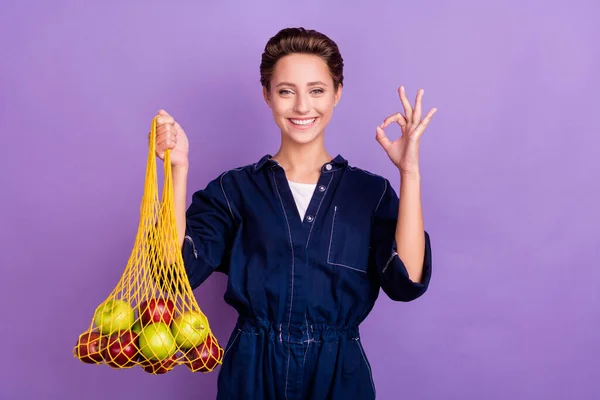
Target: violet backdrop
x: 509, y: 165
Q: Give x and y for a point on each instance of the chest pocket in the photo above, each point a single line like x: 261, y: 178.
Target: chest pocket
x: 348, y: 241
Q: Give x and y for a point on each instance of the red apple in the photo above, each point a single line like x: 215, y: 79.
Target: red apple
x: 157, y: 310
x: 121, y: 350
x: 88, y: 348
x: 159, y: 367
x: 205, y: 357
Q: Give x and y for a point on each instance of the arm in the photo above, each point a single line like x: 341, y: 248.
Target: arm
x: 405, y: 276
x: 388, y: 240
x: 211, y: 223
x: 205, y: 230
x: 179, y: 193
x: 410, y: 236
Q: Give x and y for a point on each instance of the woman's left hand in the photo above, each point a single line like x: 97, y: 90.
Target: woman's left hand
x: 404, y: 151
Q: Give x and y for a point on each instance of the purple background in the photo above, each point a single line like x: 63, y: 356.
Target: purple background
x: 510, y: 179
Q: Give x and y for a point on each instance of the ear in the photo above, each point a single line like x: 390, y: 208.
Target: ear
x: 338, y: 95
x: 266, y: 96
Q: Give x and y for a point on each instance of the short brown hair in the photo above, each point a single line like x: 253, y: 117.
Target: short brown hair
x: 304, y: 41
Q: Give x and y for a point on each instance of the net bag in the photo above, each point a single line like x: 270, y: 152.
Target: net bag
x: 151, y: 318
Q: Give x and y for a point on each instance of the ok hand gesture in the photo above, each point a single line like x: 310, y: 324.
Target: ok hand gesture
x: 404, y: 151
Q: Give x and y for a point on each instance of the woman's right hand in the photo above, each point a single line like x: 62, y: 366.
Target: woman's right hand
x: 170, y: 135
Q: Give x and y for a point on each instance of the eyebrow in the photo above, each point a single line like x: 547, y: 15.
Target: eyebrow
x: 309, y: 84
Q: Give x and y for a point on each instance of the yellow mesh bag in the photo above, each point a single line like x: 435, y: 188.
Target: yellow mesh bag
x: 151, y: 318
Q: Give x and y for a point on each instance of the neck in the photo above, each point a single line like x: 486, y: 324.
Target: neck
x: 302, y: 162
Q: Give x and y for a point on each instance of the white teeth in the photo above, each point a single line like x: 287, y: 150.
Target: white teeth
x: 303, y: 121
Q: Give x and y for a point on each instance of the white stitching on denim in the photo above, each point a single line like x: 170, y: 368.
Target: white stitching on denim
x: 292, y: 294
x: 191, y: 241
x: 385, y: 182
x: 306, y: 351
x: 319, y: 207
x: 381, y: 198
x: 329, y: 251
x: 387, y: 264
x: 365, y: 171
x: 224, y: 195
x: 307, y: 341
x: 233, y: 342
x: 362, y: 352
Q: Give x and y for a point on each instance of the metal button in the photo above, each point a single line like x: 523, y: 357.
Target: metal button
x: 309, y: 218
x: 322, y: 188
x: 328, y: 167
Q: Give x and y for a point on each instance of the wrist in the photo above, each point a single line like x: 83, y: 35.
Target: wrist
x: 180, y: 169
x: 410, y: 175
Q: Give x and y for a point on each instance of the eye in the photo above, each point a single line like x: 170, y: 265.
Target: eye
x: 285, y: 92
x: 318, y: 91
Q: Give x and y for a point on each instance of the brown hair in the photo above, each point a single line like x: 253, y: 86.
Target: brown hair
x: 299, y: 40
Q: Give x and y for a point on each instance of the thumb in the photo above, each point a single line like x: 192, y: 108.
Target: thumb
x: 163, y: 112
x: 382, y: 138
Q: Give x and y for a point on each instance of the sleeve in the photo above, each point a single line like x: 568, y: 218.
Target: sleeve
x: 390, y: 269
x: 210, y: 230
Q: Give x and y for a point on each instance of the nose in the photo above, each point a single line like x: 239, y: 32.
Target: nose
x: 302, y: 104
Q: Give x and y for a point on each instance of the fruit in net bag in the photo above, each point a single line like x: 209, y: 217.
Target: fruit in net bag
x: 88, y: 348
x: 151, y: 319
x: 204, y: 357
x: 114, y: 316
x: 190, y: 329
x: 157, y: 310
x: 156, y: 342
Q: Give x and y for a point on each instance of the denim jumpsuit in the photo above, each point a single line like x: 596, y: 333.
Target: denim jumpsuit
x: 301, y: 287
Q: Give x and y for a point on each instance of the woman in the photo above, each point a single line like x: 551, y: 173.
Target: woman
x: 306, y: 239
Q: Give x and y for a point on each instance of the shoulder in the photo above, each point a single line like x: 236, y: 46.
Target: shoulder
x: 367, y: 187
x: 369, y: 179
x: 229, y: 183
x: 232, y: 174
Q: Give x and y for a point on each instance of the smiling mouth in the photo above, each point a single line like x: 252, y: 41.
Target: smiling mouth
x: 302, y: 122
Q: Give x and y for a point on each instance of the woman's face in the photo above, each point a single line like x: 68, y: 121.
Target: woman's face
x: 302, y: 97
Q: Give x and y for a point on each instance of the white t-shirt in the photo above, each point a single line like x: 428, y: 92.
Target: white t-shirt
x: 302, y: 194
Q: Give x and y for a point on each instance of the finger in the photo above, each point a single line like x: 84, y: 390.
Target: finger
x: 159, y: 135
x: 423, y: 125
x: 166, y: 137
x: 166, y: 128
x: 165, y: 142
x: 406, y: 104
x: 428, y: 117
x: 177, y: 128
x: 168, y: 132
x: 397, y: 117
x: 418, y: 106
x: 163, y: 112
x: 165, y: 119
x: 382, y: 138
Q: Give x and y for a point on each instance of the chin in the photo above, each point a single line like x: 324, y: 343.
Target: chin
x: 303, y: 137
x: 302, y: 140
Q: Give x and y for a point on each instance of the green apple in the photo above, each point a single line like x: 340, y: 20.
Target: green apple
x: 137, y: 328
x: 114, y: 315
x: 156, y: 341
x: 190, y: 329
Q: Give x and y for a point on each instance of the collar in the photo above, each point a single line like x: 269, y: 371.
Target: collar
x: 336, y: 163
